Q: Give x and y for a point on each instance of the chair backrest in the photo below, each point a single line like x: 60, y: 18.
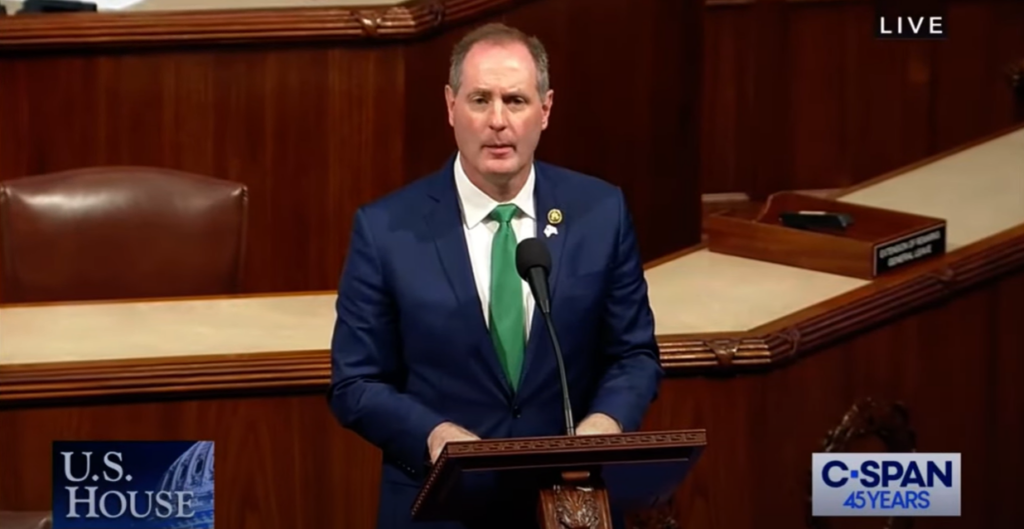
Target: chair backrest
x: 120, y: 232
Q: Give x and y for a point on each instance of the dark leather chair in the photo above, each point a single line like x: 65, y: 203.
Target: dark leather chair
x: 120, y: 232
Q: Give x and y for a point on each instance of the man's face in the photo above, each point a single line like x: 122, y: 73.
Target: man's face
x: 498, y: 115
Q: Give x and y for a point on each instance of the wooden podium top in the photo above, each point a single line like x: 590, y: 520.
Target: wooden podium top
x: 698, y: 297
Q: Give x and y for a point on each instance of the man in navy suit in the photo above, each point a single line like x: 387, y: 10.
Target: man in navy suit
x: 437, y: 339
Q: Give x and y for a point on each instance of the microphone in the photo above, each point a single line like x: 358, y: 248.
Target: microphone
x: 533, y: 262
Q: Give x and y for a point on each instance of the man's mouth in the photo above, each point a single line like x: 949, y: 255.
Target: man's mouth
x: 499, y: 148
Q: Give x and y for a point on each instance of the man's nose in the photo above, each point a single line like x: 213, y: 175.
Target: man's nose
x: 498, y: 119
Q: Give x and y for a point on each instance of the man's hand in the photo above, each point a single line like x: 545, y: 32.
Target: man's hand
x: 598, y: 424
x: 445, y: 433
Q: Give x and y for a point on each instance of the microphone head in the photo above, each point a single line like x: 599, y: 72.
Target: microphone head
x: 531, y: 253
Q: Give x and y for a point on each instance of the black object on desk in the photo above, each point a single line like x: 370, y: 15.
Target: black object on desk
x: 55, y: 6
x: 815, y: 220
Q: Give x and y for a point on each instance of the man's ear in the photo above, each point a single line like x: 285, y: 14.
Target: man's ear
x: 449, y: 98
x: 545, y: 107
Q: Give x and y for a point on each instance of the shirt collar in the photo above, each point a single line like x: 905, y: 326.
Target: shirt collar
x: 476, y: 205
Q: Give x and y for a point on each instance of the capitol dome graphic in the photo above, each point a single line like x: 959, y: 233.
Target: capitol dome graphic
x: 192, y: 471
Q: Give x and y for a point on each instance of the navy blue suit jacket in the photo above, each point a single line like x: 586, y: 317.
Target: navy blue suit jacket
x: 411, y: 348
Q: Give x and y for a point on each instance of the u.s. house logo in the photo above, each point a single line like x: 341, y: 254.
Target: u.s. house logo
x: 133, y: 484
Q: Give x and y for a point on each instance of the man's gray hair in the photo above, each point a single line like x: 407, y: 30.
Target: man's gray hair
x: 495, y: 33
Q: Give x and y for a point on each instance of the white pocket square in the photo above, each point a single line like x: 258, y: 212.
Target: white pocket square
x: 550, y: 230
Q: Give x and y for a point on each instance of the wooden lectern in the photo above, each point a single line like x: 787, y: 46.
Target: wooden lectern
x: 578, y: 479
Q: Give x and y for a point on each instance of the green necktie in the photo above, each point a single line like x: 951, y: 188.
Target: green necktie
x: 507, y: 326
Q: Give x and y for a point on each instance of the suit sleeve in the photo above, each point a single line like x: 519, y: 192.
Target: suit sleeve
x: 366, y: 365
x: 630, y: 382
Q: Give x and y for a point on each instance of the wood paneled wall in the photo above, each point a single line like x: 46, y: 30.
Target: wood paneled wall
x: 950, y: 368
x: 321, y: 110
x: 798, y: 94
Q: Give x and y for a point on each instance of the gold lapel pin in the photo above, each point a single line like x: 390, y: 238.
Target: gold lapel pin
x: 554, y: 216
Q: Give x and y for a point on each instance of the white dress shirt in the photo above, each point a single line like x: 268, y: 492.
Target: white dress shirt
x: 480, y: 229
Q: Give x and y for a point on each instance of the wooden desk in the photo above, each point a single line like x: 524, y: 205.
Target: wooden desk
x: 944, y: 338
x: 979, y: 191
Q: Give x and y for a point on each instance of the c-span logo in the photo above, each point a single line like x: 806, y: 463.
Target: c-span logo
x: 885, y: 484
x: 137, y: 484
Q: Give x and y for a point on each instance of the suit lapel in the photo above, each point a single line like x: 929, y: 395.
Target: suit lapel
x: 445, y: 221
x: 550, y: 217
